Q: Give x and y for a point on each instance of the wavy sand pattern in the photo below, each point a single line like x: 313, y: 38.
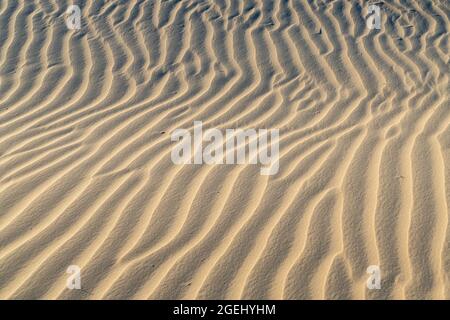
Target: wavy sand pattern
x: 86, y: 176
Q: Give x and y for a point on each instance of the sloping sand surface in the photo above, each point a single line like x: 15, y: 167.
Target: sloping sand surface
x: 87, y: 179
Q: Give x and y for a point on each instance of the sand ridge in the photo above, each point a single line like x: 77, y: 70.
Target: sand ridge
x: 86, y: 176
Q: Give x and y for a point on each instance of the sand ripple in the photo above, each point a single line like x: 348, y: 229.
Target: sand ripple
x: 86, y: 176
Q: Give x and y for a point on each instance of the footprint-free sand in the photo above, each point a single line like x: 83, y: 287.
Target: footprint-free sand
x: 87, y: 179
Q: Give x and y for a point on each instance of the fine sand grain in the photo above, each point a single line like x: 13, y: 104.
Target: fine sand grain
x: 86, y: 176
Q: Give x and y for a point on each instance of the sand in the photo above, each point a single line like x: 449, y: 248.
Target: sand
x: 86, y: 176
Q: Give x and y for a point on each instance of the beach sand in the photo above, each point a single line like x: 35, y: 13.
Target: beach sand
x: 87, y: 179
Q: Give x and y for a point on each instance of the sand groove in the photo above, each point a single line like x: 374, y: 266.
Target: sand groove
x: 86, y: 176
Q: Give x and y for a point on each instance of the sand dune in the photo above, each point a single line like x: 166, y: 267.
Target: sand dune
x: 86, y: 176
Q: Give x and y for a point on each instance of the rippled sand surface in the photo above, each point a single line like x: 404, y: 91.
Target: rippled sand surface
x: 86, y: 176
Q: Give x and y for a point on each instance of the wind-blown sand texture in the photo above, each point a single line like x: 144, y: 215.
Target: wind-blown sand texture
x: 86, y: 176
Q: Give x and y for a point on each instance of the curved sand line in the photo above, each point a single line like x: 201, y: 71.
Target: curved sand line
x: 87, y: 179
